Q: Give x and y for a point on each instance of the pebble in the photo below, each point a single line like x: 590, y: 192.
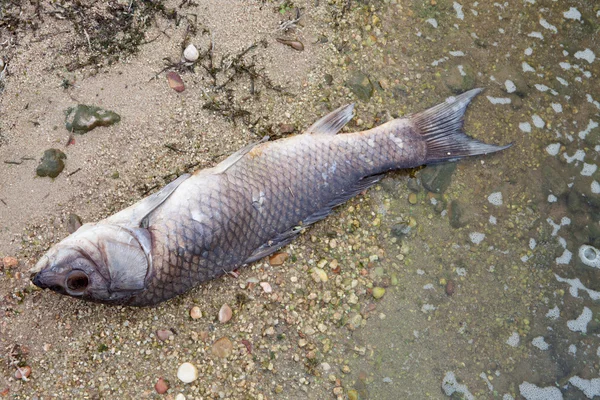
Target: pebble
x: 161, y: 386
x: 83, y: 118
x: 294, y: 44
x: 10, y: 262
x: 319, y: 275
x: 180, y: 396
x: 225, y: 313
x: 266, y: 287
x: 51, y: 164
x: 164, y: 334
x: 354, y: 322
x: 222, y: 348
x: 412, y: 198
x: 278, y: 259
x: 23, y: 372
x: 286, y: 128
x: 378, y: 292
x: 450, y: 287
x: 187, y: 372
x: 353, y: 394
x: 175, y: 82
x: 195, y: 312
x: 73, y: 223
x: 191, y: 53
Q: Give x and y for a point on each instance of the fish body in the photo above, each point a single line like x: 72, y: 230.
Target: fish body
x: 213, y: 221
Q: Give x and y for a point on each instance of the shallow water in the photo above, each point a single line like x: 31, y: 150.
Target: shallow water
x: 524, y: 308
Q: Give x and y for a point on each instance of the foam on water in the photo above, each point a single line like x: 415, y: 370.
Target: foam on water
x: 580, y: 324
x: 513, y: 340
x: 532, y: 392
x: 450, y: 386
x: 589, y: 387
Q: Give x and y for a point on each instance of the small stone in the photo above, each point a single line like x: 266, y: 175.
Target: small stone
x: 180, y: 396
x: 187, y: 372
x: 161, y: 386
x: 328, y: 79
x: 352, y: 394
x: 83, y: 118
x: 266, y: 287
x: 360, y: 84
x: 450, y: 287
x: 456, y: 214
x: 354, y: 322
x: 294, y: 44
x: 195, y: 312
x: 338, y: 391
x: 326, y: 367
x: 437, y: 178
x: 400, y: 230
x: 51, y: 163
x: 378, y: 292
x: 412, y: 198
x: 346, y: 369
x: 73, y: 222
x: 175, y: 82
x: 23, y: 372
x: 10, y: 262
x: 225, y: 313
x: 191, y: 53
x: 319, y: 275
x: 278, y: 259
x: 222, y: 348
x: 164, y: 334
x: 302, y: 342
x: 286, y: 128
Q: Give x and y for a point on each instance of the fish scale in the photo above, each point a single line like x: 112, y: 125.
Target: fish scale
x: 259, y: 199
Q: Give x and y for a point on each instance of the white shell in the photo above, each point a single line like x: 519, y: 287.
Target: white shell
x: 191, y: 53
x: 187, y: 372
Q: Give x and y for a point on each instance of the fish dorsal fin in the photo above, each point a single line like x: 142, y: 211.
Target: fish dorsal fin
x: 135, y: 214
x: 235, y: 157
x: 333, y: 122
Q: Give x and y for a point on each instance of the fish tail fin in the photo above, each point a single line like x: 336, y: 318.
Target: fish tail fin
x: 441, y: 126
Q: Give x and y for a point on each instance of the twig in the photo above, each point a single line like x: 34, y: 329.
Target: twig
x: 74, y: 172
x: 3, y: 202
x: 171, y: 147
x: 13, y: 162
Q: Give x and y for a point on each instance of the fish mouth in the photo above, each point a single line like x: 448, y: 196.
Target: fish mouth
x: 74, y: 283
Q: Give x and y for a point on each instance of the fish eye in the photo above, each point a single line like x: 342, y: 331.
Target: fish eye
x: 77, y: 281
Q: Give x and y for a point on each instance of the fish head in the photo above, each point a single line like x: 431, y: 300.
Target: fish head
x: 99, y: 262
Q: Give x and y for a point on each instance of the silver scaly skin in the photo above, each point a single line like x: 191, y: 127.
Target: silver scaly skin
x: 203, y: 225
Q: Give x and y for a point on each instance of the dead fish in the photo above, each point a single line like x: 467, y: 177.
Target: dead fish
x: 211, y: 222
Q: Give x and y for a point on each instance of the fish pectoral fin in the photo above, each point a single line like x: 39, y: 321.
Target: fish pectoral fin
x: 333, y: 122
x: 135, y: 214
x: 235, y: 157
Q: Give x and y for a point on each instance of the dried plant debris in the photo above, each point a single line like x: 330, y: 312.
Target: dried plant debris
x: 106, y: 31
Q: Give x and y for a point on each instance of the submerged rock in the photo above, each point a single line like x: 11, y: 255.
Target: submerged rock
x: 456, y: 215
x: 51, y: 163
x: 459, y: 80
x: 437, y: 178
x: 82, y: 118
x: 361, y: 86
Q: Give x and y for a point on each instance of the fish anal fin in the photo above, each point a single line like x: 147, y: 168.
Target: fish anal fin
x: 333, y: 122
